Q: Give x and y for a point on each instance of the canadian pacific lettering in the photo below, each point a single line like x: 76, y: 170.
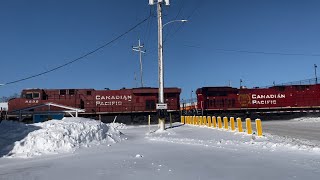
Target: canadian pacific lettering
x: 112, y: 100
x: 266, y: 98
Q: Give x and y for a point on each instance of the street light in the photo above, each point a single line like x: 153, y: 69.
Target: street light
x: 161, y: 106
x: 161, y: 78
x: 180, y: 20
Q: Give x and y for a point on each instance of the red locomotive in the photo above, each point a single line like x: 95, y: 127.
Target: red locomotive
x: 286, y: 98
x: 130, y: 104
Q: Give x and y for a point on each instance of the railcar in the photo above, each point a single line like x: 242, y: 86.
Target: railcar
x: 129, y: 105
x: 275, y: 99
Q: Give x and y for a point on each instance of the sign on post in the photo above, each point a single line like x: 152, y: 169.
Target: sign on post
x: 162, y: 106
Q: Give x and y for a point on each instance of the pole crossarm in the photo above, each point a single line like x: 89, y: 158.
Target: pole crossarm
x: 139, y: 49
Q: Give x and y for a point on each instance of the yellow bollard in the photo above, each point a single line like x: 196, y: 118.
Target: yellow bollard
x: 197, y: 120
x: 239, y: 122
x: 248, y: 126
x: 182, y: 119
x: 214, y: 121
x: 219, y: 122
x: 232, y: 125
x: 209, y: 121
x: 189, y: 122
x: 149, y: 122
x: 204, y: 118
x: 200, y: 121
x: 259, y: 127
x: 225, y: 121
x: 194, y: 120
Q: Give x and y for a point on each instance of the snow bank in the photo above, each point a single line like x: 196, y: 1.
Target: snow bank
x: 307, y: 119
x: 118, y: 125
x: 56, y: 136
x: 218, y: 138
x: 280, y: 143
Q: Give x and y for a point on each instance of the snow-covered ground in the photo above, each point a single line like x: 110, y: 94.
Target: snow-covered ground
x: 181, y: 152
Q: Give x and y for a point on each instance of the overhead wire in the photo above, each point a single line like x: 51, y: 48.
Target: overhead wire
x: 188, y: 18
x: 81, y: 57
x: 252, y: 52
x: 182, y: 3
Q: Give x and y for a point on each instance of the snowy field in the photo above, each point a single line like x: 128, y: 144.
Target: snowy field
x: 82, y: 149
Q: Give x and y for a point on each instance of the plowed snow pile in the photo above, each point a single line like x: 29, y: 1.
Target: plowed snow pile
x: 54, y: 136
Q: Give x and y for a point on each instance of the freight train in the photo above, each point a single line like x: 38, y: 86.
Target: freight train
x: 133, y: 105
x: 284, y: 99
x: 128, y: 105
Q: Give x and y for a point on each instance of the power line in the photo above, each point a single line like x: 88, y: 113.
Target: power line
x: 253, y: 52
x: 81, y: 57
x: 182, y: 3
x: 188, y: 18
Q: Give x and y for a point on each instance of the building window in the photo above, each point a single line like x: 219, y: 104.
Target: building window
x: 88, y: 93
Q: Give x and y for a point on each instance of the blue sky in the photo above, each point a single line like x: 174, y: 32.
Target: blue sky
x: 208, y: 50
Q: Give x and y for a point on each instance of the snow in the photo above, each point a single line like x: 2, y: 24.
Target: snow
x: 55, y: 136
x: 181, y: 152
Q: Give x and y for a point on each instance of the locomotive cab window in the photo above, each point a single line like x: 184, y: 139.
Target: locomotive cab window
x: 36, y: 95
x: 32, y: 95
x: 88, y: 93
x: 71, y: 91
x: 63, y: 92
x: 28, y: 95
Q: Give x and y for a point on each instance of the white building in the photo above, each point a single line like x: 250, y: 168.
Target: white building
x: 3, y: 106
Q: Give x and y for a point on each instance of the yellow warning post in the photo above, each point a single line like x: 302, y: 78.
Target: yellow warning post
x: 219, y: 122
x: 239, y: 123
x: 225, y: 122
x: 232, y: 125
x: 248, y: 126
x: 259, y: 127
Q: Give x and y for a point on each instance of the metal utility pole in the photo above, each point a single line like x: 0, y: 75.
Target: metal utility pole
x: 161, y: 106
x: 315, y: 72
x: 139, y: 49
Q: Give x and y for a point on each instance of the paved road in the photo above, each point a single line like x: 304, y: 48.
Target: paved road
x: 300, y: 129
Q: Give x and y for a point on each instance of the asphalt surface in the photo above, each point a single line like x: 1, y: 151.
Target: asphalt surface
x: 304, y: 129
